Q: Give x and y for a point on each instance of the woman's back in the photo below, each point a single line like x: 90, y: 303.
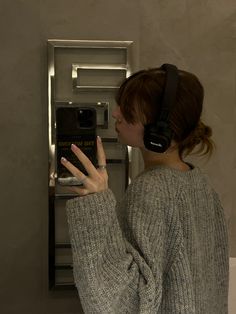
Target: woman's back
x: 193, y: 256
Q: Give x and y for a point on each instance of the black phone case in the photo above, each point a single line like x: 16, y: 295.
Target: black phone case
x: 75, y: 125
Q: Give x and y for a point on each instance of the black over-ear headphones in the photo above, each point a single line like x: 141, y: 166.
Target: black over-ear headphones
x: 158, y: 135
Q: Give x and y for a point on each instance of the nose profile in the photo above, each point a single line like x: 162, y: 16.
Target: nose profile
x: 115, y: 113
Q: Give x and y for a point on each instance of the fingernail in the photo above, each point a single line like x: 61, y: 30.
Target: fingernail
x: 99, y: 139
x: 63, y: 159
x: 73, y: 146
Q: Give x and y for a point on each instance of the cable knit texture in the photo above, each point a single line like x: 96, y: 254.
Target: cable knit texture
x: 162, y: 249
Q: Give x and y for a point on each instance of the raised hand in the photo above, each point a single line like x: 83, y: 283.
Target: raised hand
x: 97, y: 179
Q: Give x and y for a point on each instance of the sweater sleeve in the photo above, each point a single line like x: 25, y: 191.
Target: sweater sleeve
x: 111, y: 275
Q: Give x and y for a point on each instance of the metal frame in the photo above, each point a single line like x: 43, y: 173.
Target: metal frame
x: 77, y: 67
x: 53, y: 44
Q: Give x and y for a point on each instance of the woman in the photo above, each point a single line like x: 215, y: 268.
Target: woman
x: 164, y: 248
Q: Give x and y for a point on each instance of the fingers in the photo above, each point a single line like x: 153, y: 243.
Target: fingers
x: 86, y: 162
x: 100, y: 153
x: 75, y: 171
x: 80, y: 191
x: 97, y: 179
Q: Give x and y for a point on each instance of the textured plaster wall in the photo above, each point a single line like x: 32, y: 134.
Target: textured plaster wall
x: 198, y: 36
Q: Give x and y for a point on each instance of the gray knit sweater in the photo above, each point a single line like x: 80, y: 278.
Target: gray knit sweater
x: 163, y: 249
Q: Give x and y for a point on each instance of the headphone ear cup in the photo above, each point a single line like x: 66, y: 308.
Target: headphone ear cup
x: 157, y: 137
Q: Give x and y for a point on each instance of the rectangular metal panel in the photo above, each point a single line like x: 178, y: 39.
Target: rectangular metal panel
x: 82, y: 74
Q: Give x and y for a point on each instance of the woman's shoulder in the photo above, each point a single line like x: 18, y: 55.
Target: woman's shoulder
x: 167, y: 180
x: 157, y: 180
x: 149, y: 198
x: 157, y: 174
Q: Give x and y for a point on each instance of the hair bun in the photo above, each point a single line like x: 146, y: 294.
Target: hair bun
x: 202, y: 132
x: 200, y: 137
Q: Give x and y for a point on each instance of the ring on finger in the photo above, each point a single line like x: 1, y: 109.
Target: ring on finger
x: 102, y: 167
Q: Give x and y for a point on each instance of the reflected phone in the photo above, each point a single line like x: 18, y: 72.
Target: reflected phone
x: 75, y: 125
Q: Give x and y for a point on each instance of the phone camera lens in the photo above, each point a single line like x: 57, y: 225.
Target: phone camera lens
x: 85, y: 118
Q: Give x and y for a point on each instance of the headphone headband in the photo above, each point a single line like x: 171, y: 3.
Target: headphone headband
x: 170, y: 90
x: 157, y: 136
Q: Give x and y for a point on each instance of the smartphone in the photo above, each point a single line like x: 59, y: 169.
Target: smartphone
x: 75, y: 125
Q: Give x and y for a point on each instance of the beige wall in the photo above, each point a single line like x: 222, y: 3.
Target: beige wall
x: 198, y: 36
